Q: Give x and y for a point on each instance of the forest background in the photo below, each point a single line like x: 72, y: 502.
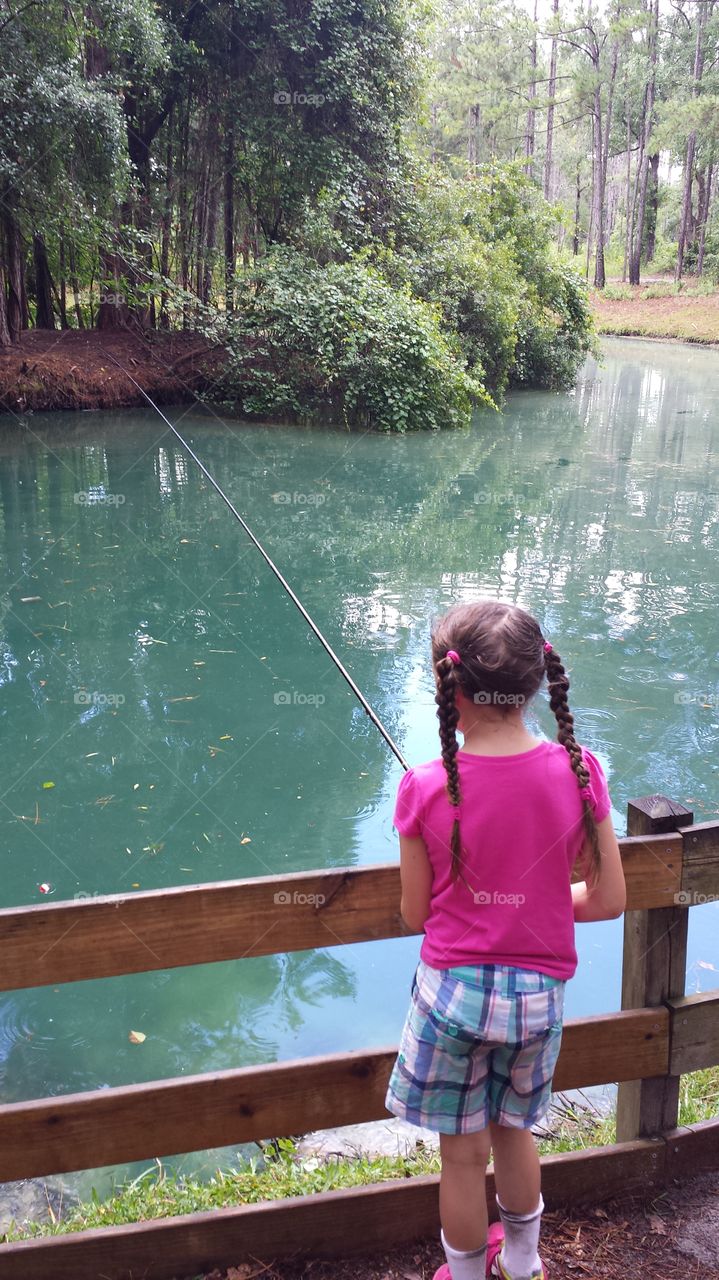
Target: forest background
x: 384, y: 210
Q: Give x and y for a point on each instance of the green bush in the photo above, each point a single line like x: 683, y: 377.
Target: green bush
x: 309, y: 341
x: 482, y: 249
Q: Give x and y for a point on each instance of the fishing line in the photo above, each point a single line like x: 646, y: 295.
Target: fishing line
x: 283, y: 581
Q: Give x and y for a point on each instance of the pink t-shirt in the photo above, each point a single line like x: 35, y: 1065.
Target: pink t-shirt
x: 522, y: 831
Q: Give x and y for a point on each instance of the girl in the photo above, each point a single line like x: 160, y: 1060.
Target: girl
x: 489, y: 837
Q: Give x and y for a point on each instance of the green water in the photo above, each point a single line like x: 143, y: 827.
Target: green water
x: 195, y: 731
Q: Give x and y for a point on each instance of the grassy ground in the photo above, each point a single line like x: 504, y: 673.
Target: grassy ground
x: 660, y: 309
x: 277, y: 1172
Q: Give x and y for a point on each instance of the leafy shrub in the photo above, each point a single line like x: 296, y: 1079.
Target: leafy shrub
x: 308, y: 340
x: 482, y: 250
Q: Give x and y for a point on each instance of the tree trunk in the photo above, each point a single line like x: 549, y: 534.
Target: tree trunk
x: 704, y: 218
x: 473, y: 120
x: 652, y: 208
x: 685, y: 225
x: 643, y: 175
x: 577, y: 205
x: 600, y: 278
x: 550, y: 109
x: 166, y: 230
x: 5, y: 336
x: 74, y: 281
x: 529, y: 136
x: 15, y: 284
x: 628, y: 197
x: 113, y: 312
x: 229, y: 210
x: 44, y: 314
x: 63, y: 284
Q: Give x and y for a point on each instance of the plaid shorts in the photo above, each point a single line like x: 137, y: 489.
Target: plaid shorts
x: 480, y: 1043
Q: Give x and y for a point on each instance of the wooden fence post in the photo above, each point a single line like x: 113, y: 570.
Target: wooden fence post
x: 653, y: 971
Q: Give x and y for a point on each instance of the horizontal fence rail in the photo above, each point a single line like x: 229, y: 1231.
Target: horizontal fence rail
x: 189, y: 1113
x: 197, y: 924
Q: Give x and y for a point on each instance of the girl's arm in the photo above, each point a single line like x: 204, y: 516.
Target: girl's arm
x: 416, y: 876
x: 607, y: 897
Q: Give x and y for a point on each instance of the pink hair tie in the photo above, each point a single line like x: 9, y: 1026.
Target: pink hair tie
x: 585, y: 792
x: 452, y: 653
x: 547, y: 646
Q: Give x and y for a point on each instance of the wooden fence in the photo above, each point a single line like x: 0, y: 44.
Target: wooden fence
x: 670, y: 863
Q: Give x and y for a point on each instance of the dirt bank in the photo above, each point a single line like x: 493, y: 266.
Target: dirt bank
x: 685, y: 317
x: 71, y: 370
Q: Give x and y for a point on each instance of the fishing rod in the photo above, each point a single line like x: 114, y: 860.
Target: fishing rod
x: 268, y: 560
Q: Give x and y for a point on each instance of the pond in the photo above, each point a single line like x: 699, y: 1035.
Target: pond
x: 168, y: 718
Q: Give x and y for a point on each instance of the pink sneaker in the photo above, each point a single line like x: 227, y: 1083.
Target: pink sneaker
x: 495, y: 1243
x: 444, y: 1273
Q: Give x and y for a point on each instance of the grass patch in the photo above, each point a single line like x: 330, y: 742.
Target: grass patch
x: 279, y: 1174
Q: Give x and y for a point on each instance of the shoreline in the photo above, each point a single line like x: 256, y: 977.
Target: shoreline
x: 48, y: 371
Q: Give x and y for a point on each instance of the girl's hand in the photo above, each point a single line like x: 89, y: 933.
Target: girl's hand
x: 606, y: 898
x: 416, y: 876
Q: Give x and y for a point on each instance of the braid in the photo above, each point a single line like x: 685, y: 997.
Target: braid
x: 448, y: 717
x: 558, y: 682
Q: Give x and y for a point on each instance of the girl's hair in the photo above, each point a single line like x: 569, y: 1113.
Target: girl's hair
x: 503, y: 661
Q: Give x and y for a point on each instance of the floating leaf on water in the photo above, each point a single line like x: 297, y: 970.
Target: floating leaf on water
x: 135, y: 786
x: 90, y: 754
x: 137, y: 1037
x: 245, y: 840
x: 47, y: 786
x: 226, y: 737
x: 29, y: 599
x: 188, y: 697
x: 136, y: 885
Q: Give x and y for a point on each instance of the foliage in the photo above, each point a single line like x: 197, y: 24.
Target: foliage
x: 481, y: 248
x: 306, y: 339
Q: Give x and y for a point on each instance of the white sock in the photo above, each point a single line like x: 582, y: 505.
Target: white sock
x: 520, y: 1258
x: 465, y: 1266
